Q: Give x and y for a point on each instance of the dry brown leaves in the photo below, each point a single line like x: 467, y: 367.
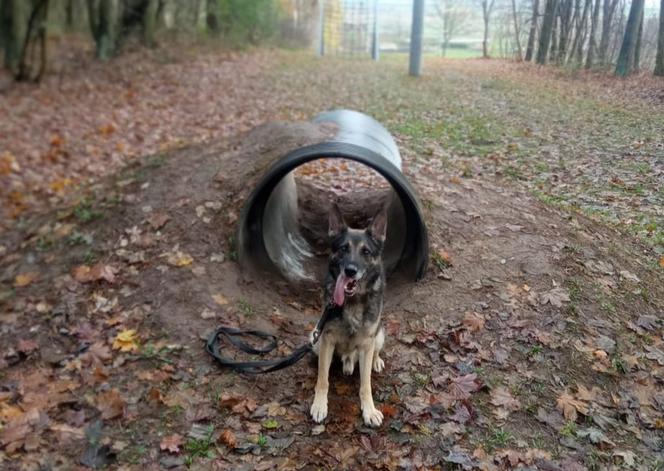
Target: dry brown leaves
x: 111, y: 404
x: 569, y: 405
x: 97, y: 272
x: 172, y: 443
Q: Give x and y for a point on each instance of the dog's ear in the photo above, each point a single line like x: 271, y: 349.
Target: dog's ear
x: 337, y: 225
x: 378, y: 227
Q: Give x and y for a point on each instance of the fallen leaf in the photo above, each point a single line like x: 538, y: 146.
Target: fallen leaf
x: 655, y: 354
x: 125, y: 341
x: 556, y: 297
x: 179, y: 259
x: 270, y: 424
x: 111, y: 404
x: 502, y: 397
x: 172, y: 443
x: 158, y: 220
x: 473, y: 322
x: 461, y: 387
x: 97, y: 272
x: 24, y: 279
x: 220, y: 299
x: 628, y: 457
x: 461, y: 414
x: 569, y: 406
x: 228, y: 438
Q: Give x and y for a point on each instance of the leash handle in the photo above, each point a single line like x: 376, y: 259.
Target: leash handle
x: 331, y: 311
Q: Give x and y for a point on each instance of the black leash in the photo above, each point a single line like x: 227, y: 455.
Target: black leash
x: 332, y: 311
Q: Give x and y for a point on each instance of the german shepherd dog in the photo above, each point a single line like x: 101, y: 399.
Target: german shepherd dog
x: 355, y: 281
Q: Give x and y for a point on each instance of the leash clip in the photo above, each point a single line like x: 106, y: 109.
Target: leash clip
x: 315, y: 335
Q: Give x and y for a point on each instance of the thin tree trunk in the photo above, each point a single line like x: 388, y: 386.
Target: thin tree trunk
x: 553, y: 54
x: 576, y: 52
x: 565, y: 9
x: 533, y: 31
x: 547, y: 29
x: 607, y: 22
x: 103, y: 15
x: 592, y: 42
x: 36, y: 31
x: 150, y: 22
x: 16, y: 17
x: 637, y: 50
x: 659, y: 59
x: 625, y: 65
x: 516, y: 31
x: 487, y: 7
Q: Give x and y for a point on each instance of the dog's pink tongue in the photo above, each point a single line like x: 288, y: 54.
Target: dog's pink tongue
x: 340, y: 289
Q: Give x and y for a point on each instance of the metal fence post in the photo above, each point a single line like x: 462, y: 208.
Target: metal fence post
x: 375, y: 45
x: 415, y: 66
x: 321, y: 28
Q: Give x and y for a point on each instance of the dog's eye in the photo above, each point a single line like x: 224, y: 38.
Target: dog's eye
x: 366, y: 251
x: 345, y: 248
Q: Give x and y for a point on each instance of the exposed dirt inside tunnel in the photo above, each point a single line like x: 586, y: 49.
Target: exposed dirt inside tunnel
x: 529, y: 324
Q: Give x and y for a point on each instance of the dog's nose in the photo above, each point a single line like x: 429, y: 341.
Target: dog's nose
x: 350, y: 271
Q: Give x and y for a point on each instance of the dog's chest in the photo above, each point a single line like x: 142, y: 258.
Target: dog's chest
x: 354, y: 317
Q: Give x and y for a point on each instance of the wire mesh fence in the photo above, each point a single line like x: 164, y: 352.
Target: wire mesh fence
x: 349, y: 28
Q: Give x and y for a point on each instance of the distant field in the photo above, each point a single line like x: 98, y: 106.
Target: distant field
x: 456, y: 53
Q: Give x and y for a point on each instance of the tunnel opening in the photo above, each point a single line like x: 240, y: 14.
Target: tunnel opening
x: 358, y: 190
x: 284, y: 224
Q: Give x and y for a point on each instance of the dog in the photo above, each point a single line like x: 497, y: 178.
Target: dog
x: 356, y: 282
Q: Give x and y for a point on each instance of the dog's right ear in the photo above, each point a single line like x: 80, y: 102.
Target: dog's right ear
x: 337, y: 225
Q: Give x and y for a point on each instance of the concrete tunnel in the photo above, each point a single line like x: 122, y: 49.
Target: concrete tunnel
x: 278, y: 231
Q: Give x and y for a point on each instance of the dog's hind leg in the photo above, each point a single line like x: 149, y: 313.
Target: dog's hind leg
x: 378, y: 363
x: 319, y: 406
x: 349, y: 362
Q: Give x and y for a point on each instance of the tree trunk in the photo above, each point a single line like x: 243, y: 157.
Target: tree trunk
x: 16, y: 16
x: 626, y: 57
x: 592, y: 42
x: 567, y: 14
x: 576, y: 53
x: 35, y: 37
x: 607, y: 22
x: 150, y: 22
x: 103, y: 16
x: 547, y: 29
x: 487, y: 7
x: 516, y: 31
x: 533, y: 31
x: 637, y: 50
x: 659, y: 60
x: 553, y: 53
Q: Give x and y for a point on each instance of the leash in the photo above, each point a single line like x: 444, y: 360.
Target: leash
x: 332, y: 311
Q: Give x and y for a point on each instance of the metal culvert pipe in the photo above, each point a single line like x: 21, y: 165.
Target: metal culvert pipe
x: 270, y: 235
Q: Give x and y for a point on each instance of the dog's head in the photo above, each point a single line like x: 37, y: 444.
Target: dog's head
x: 356, y: 255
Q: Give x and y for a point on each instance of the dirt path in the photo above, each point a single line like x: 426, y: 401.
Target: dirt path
x: 534, y: 340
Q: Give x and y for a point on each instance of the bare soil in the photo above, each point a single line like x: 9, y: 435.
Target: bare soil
x: 526, y: 314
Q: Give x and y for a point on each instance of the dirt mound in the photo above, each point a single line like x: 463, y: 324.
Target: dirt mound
x: 534, y: 339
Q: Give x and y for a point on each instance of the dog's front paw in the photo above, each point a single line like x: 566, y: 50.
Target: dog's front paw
x: 319, y: 409
x: 372, y: 416
x: 378, y: 364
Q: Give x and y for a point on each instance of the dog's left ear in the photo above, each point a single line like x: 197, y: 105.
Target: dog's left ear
x: 378, y: 227
x: 337, y: 225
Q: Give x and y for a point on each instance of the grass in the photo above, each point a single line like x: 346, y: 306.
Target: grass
x: 569, y: 429
x: 85, y: 212
x: 498, y: 438
x: 246, y: 308
x: 200, y: 447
